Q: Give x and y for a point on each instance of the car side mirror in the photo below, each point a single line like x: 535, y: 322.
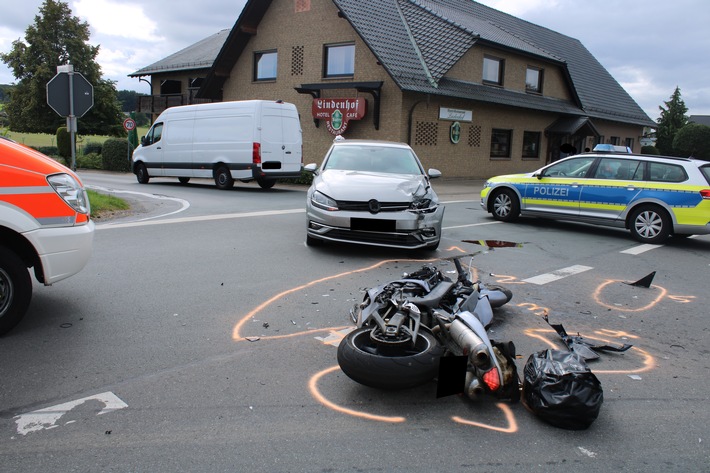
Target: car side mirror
x: 434, y: 173
x: 312, y: 168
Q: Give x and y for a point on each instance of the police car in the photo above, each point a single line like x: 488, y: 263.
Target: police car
x: 652, y: 196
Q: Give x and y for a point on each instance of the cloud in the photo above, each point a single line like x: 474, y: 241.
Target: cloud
x: 119, y: 20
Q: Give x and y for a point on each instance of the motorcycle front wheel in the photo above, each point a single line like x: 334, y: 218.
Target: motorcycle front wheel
x: 389, y: 367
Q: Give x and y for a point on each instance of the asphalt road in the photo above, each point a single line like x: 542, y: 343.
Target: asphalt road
x: 202, y: 337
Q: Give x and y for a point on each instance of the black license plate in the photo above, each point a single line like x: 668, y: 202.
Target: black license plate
x: 373, y: 225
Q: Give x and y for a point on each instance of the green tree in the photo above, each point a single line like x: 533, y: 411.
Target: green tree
x: 693, y: 140
x: 57, y: 38
x: 672, y: 119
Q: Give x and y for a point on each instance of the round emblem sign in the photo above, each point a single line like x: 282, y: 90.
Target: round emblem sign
x: 129, y: 124
x: 455, y: 132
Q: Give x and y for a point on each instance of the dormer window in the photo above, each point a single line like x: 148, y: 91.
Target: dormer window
x: 493, y: 70
x: 533, y: 80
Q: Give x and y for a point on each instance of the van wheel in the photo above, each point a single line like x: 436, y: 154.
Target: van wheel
x: 142, y: 174
x: 223, y: 178
x: 266, y: 183
x: 15, y: 289
x: 184, y: 180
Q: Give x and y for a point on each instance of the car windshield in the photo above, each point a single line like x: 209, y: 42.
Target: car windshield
x: 384, y: 159
x: 576, y: 167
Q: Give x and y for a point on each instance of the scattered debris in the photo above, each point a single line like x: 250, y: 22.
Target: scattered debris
x: 635, y: 376
x: 265, y: 325
x: 644, y: 281
x: 252, y: 339
x: 581, y: 346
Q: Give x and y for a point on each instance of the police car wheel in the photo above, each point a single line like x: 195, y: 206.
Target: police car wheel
x: 15, y: 289
x: 505, y: 206
x: 650, y: 224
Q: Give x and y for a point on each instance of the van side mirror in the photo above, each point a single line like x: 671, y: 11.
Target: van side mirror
x: 143, y: 141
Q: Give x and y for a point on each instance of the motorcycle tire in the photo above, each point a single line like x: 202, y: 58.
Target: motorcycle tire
x: 368, y: 363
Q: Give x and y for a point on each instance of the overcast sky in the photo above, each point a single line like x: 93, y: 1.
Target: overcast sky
x: 649, y: 46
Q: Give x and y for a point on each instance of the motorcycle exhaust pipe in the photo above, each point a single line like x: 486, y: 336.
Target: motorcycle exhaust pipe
x: 470, y: 343
x: 474, y: 390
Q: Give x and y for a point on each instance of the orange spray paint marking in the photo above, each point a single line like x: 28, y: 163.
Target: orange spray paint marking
x: 597, y: 297
x: 236, y: 335
x: 315, y: 392
x: 512, y: 424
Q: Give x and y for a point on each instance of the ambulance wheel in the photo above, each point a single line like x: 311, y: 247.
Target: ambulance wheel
x: 650, y: 224
x: 505, y: 206
x: 142, y: 174
x: 15, y: 289
x: 223, y: 178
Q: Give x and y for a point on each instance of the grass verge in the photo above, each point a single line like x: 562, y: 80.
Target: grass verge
x: 105, y: 205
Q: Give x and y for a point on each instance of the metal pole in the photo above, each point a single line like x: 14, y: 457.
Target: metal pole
x: 72, y: 118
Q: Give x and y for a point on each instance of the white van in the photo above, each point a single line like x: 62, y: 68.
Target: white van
x: 246, y: 140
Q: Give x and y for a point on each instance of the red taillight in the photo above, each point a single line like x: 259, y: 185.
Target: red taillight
x: 705, y: 193
x: 256, y: 153
x: 492, y: 379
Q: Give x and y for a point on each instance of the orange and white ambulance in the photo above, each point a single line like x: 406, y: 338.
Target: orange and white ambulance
x: 45, y: 224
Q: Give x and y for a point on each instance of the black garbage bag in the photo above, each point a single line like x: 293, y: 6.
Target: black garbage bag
x: 560, y: 389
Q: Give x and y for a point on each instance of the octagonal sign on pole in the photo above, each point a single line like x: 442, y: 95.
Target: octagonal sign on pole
x: 69, y: 93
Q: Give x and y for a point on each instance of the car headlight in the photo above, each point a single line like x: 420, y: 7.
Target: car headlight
x: 70, y: 191
x: 322, y: 201
x: 424, y: 205
x: 487, y: 184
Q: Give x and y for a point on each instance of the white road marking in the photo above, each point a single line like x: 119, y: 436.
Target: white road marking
x: 201, y: 218
x: 557, y: 275
x: 637, y: 250
x: 47, y: 418
x: 471, y: 225
x: 184, y: 204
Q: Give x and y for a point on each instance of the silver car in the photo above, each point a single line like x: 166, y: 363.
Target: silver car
x: 373, y: 193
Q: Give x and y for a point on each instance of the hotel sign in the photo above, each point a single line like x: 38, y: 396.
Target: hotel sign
x: 338, y: 112
x: 455, y: 114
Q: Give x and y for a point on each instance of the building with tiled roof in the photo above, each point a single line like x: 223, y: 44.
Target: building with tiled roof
x: 475, y: 91
x: 176, y: 79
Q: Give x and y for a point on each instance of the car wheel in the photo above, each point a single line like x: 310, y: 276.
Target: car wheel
x: 15, y: 289
x: 223, y: 178
x: 142, y: 174
x: 266, y: 183
x: 505, y: 206
x: 650, y: 224
x: 184, y: 180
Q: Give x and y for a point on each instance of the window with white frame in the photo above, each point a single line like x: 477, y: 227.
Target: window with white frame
x: 339, y: 60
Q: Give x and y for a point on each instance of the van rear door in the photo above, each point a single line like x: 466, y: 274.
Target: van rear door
x: 281, y: 150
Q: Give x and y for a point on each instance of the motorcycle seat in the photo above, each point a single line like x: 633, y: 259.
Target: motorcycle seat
x: 432, y: 300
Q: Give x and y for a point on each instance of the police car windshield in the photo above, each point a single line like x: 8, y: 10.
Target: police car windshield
x: 575, y: 167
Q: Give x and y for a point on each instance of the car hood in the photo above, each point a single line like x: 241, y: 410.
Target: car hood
x: 363, y: 186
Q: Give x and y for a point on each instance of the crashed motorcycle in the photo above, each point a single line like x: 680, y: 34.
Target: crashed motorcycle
x: 412, y: 330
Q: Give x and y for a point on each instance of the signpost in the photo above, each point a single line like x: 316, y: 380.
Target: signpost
x: 70, y: 95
